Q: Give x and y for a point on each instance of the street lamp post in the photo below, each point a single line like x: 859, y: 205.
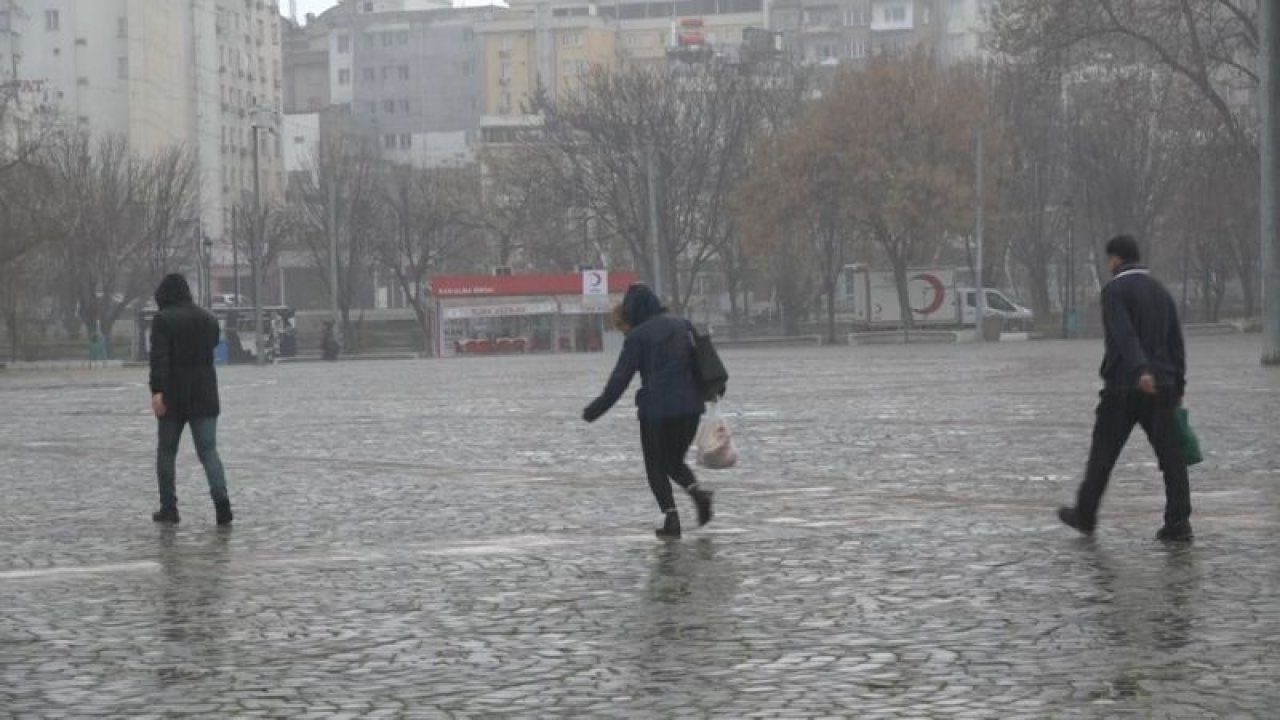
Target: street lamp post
x: 1069, y: 314
x: 262, y: 120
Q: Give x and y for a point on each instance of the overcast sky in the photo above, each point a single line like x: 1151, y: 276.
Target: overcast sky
x: 319, y: 6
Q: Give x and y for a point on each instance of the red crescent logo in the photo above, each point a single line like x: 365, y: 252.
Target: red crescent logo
x: 939, y: 293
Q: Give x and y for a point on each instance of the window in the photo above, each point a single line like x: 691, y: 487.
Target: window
x: 571, y: 38
x: 122, y: 68
x: 368, y: 7
x: 373, y: 108
x: 299, y: 139
x: 467, y: 68
x: 368, y: 41
x: 389, y: 106
x: 406, y: 142
x: 404, y: 72
x: 404, y: 106
x: 386, y: 73
x: 122, y: 27
x: 388, y: 38
x: 4, y: 21
x: 344, y: 76
x: 896, y: 14
x: 344, y: 44
x: 402, y: 37
x: 51, y: 20
x: 389, y: 142
x: 504, y: 70
x: 370, y: 74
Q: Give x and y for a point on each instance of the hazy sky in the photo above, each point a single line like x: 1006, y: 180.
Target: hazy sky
x: 308, y: 6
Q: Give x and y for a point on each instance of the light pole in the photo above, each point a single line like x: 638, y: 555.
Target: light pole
x: 979, y: 289
x: 1069, y: 313
x: 655, y: 244
x: 206, y: 254
x: 1270, y: 155
x: 263, y: 119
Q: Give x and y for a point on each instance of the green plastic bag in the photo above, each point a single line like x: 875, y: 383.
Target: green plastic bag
x: 1187, y: 440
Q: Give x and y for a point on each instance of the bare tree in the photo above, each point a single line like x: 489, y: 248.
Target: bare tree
x: 427, y: 213
x: 908, y: 129
x: 520, y: 210
x: 120, y: 222
x: 685, y: 131
x: 1211, y: 44
x: 336, y: 203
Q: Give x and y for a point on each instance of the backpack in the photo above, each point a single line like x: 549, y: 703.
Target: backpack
x: 713, y: 378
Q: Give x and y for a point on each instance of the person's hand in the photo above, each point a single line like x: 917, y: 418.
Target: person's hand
x: 157, y: 404
x: 1147, y: 383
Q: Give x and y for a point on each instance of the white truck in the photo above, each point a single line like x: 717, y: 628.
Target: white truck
x: 871, y: 297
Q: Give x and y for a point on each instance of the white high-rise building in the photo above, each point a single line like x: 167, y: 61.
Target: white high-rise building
x: 162, y: 72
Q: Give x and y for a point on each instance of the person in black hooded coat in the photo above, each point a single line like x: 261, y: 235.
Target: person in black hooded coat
x: 184, y: 391
x: 670, y: 400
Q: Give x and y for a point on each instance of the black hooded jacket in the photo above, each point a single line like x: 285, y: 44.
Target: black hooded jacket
x: 658, y: 346
x: 183, y: 337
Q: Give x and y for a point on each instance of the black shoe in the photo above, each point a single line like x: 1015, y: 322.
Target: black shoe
x: 1177, y: 533
x: 223, y: 512
x: 169, y: 517
x: 702, y: 498
x: 670, y: 529
x: 1071, y: 518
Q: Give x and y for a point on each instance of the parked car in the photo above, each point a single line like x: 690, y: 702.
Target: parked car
x: 1016, y: 317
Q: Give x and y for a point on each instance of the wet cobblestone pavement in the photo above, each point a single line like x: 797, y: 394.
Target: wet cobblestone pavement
x: 447, y: 539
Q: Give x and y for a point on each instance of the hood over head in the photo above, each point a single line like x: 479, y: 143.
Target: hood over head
x: 173, y: 290
x: 640, y: 304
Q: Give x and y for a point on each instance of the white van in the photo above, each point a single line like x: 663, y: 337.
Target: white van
x: 1016, y: 317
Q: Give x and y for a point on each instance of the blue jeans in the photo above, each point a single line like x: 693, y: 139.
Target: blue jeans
x: 204, y: 431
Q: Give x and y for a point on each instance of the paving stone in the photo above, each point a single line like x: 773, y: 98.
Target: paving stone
x: 448, y: 540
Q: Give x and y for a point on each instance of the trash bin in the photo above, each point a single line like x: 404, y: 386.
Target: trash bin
x: 992, y: 327
x: 1071, y: 322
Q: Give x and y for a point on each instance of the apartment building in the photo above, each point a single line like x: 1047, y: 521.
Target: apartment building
x: 835, y: 32
x: 162, y: 73
x: 527, y: 50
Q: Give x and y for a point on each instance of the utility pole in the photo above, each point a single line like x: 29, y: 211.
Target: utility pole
x: 979, y: 288
x: 332, y: 182
x: 260, y: 123
x: 1069, y: 320
x: 1270, y: 62
x: 654, y: 243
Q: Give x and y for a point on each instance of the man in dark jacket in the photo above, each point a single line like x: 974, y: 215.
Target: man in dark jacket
x: 184, y: 391
x: 1144, y: 372
x: 670, y: 400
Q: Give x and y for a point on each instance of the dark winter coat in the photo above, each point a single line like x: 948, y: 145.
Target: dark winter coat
x: 1143, y: 333
x: 658, y: 346
x: 183, y: 337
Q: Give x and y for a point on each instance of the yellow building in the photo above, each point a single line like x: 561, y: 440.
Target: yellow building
x: 525, y: 50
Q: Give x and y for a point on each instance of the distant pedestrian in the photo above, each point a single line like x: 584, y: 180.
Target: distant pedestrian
x: 184, y: 391
x: 1144, y: 373
x: 329, y: 346
x: 670, y: 400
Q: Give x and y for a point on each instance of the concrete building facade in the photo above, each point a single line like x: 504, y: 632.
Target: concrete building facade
x: 163, y: 73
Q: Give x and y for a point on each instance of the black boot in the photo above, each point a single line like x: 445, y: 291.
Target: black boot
x: 169, y: 517
x: 222, y: 509
x: 670, y: 529
x: 1176, y: 533
x: 1072, y: 518
x: 702, y: 499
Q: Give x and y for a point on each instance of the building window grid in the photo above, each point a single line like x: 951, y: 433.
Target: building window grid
x: 52, y: 21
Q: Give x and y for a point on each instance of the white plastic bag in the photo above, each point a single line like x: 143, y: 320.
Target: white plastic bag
x: 716, y: 450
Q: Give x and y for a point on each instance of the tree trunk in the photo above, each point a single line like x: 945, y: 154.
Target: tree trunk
x: 904, y: 295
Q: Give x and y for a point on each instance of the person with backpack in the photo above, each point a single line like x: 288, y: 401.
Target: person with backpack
x: 671, y: 400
